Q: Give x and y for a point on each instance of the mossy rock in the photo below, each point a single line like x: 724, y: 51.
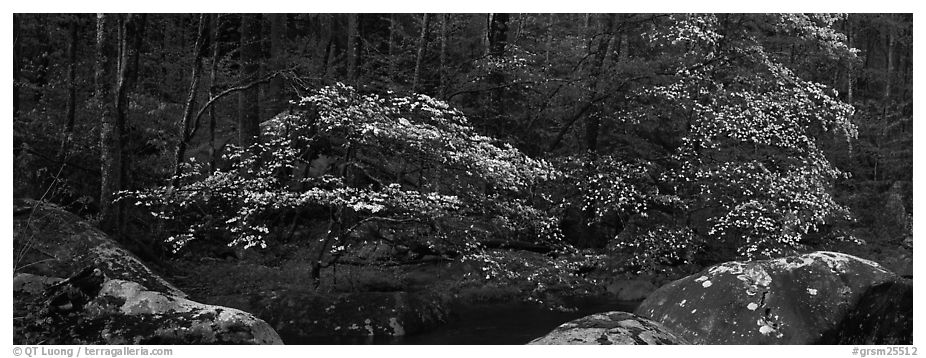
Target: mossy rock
x: 611, y: 328
x: 122, y: 312
x: 50, y: 241
x: 110, y: 297
x: 805, y: 299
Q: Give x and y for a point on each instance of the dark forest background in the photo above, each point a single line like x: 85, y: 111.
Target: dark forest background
x: 659, y: 140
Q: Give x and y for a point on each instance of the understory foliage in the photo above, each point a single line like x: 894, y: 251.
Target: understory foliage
x: 405, y: 169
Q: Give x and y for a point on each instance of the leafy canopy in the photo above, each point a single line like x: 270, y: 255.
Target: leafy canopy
x: 407, y: 166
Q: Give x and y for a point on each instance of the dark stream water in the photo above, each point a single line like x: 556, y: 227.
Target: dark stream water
x: 486, y: 324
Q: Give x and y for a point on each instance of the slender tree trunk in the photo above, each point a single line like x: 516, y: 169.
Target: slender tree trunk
x: 136, y: 36
x: 133, y: 31
x: 549, y: 41
x: 486, y: 35
x: 422, y: 44
x: 213, y: 39
x: 110, y: 153
x: 353, y: 47
x: 391, y: 48
x: 199, y: 52
x: 277, y: 51
x: 889, y: 66
x: 330, y: 45
x: 17, y: 63
x: 248, y: 107
x: 850, y: 73
x: 128, y: 32
x: 70, y: 106
x: 120, y: 37
x: 442, y: 71
x: 334, y: 227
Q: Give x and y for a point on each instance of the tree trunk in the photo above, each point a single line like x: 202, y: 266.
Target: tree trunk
x: 199, y: 52
x: 593, y: 121
x: 850, y: 73
x: 353, y: 48
x: 391, y: 47
x: 248, y: 107
x: 70, y: 106
x: 334, y: 227
x: 136, y: 36
x: 277, y: 53
x: 889, y: 66
x: 422, y: 44
x: 496, y: 41
x: 129, y: 32
x: 133, y: 30
x: 329, y: 26
x: 549, y: 41
x: 214, y: 41
x: 110, y: 151
x: 497, y: 34
x: 17, y: 63
x: 442, y: 71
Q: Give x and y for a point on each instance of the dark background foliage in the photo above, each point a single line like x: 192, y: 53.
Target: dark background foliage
x: 663, y: 139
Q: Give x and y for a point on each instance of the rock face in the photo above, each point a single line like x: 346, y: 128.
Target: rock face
x: 610, y: 328
x: 90, y: 309
x: 108, y: 300
x: 50, y: 241
x: 306, y: 314
x: 816, y: 298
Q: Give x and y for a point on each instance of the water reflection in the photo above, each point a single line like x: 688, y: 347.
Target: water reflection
x: 486, y: 324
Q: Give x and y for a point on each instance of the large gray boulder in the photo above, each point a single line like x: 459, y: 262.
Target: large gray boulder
x: 50, y: 241
x: 813, y: 298
x: 610, y: 328
x: 110, y: 296
x: 88, y: 308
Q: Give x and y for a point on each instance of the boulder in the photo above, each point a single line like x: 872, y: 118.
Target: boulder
x: 113, y: 298
x: 89, y: 308
x: 305, y: 314
x: 50, y: 241
x: 814, y: 298
x: 610, y: 328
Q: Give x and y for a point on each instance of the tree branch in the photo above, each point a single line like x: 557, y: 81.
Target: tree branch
x: 229, y: 91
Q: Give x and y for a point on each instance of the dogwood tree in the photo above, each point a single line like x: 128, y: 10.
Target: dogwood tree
x: 409, y: 169
x: 748, y: 170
